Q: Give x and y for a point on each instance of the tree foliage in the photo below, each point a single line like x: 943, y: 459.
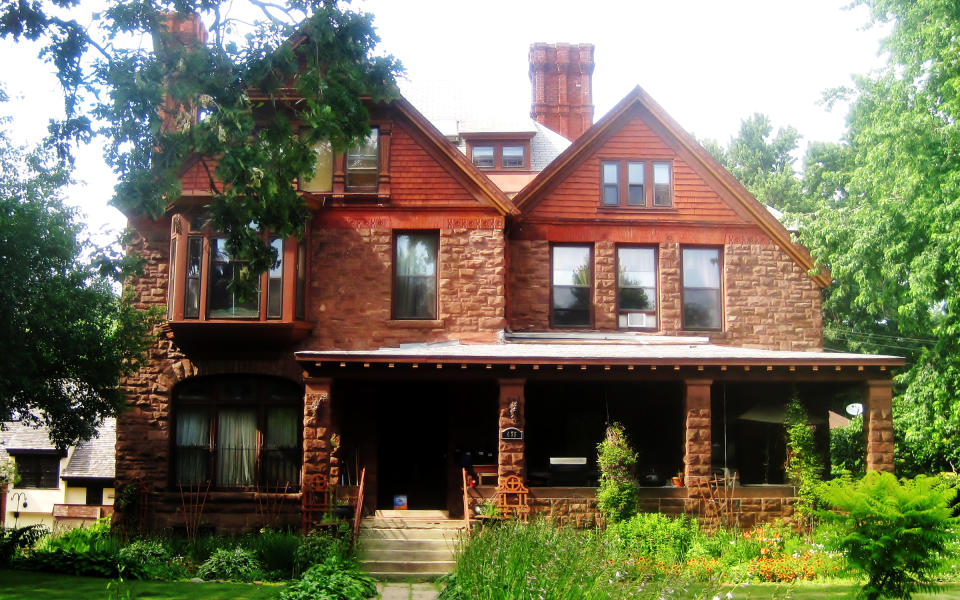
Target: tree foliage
x: 886, y: 222
x: 65, y: 337
x: 270, y: 84
x: 804, y: 465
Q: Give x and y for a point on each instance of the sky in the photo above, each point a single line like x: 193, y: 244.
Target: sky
x: 709, y: 64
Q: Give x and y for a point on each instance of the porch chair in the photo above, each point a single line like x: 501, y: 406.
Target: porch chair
x: 315, y: 500
x: 513, y: 498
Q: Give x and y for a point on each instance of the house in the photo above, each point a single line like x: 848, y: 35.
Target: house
x: 489, y: 297
x: 57, y: 490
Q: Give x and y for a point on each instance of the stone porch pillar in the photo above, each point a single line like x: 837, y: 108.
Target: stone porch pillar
x: 316, y: 429
x: 878, y: 424
x: 512, y: 459
x: 697, y: 456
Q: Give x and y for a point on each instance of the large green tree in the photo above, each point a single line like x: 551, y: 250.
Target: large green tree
x: 887, y: 224
x: 65, y: 337
x: 273, y: 80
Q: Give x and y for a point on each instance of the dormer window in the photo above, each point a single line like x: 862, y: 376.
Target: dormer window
x: 498, y: 153
x: 625, y: 183
x: 483, y: 157
x: 361, y: 173
x: 513, y: 157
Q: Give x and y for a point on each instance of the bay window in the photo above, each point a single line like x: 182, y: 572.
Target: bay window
x: 572, y: 286
x: 237, y: 433
x: 702, y: 307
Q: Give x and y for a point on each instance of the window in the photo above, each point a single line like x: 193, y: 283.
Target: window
x: 572, y: 286
x: 636, y: 193
x: 38, y: 470
x: 415, y: 275
x: 362, y: 164
x: 701, y: 288
x: 513, y: 157
x: 483, y: 157
x: 322, y: 179
x: 637, y: 288
x: 223, y: 303
x: 505, y: 155
x: 238, y: 433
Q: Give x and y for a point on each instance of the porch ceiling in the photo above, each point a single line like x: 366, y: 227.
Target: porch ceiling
x: 599, y: 354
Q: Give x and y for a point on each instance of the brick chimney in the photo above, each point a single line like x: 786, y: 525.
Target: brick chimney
x: 178, y: 31
x: 561, y: 76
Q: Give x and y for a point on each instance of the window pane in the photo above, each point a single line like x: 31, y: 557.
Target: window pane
x: 610, y: 172
x: 171, y: 281
x: 571, y: 285
x: 415, y: 272
x: 38, y: 470
x: 701, y: 267
x: 362, y: 164
x: 701, y: 309
x: 322, y: 180
x: 637, y: 287
x: 236, y: 447
x: 191, y: 300
x: 483, y: 156
x: 611, y: 195
x: 301, y: 281
x: 512, y: 157
x: 611, y: 186
x: 635, y: 188
x: 637, y: 267
x: 275, y: 283
x: 661, y: 184
x: 193, y: 444
x: 281, y: 448
x: 223, y: 303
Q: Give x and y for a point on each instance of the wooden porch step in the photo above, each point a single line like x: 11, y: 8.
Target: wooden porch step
x: 409, y: 545
x: 413, y: 514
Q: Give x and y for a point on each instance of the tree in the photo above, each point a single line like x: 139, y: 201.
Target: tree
x: 887, y: 225
x: 763, y: 164
x: 65, y: 337
x: 272, y: 82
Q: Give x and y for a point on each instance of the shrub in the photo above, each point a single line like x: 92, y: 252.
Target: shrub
x: 316, y: 548
x: 276, y: 550
x: 149, y: 559
x: 619, y: 492
x: 14, y: 539
x: 654, y: 535
x: 238, y: 564
x: 336, y: 578
x: 80, y: 551
x: 896, y: 532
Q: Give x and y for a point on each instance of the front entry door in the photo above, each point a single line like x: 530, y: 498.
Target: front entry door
x: 412, y: 440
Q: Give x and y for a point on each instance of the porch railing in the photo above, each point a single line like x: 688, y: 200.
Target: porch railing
x: 466, y: 500
x: 358, y: 511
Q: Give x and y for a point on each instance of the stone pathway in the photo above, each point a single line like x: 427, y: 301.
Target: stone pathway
x: 407, y: 591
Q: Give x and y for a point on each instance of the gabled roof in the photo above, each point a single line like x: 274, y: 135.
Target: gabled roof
x: 95, y: 458
x: 700, y: 160
x: 497, y: 198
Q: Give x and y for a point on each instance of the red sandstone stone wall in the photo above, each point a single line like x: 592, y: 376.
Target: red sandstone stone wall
x: 351, y: 279
x: 769, y: 301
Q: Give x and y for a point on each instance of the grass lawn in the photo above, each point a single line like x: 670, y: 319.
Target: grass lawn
x: 18, y: 585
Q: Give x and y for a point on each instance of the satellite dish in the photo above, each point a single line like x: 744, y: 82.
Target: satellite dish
x: 855, y: 409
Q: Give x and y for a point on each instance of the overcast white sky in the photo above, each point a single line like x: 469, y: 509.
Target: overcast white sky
x: 707, y: 63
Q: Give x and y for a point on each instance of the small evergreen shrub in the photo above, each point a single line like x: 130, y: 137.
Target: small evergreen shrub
x: 895, y: 532
x: 619, y: 491
x: 336, y: 578
x: 654, y: 535
x: 237, y: 564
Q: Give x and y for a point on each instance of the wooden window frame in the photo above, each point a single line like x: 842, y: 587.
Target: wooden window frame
x: 50, y: 457
x: 393, y: 275
x: 178, y: 311
x: 720, y: 289
x: 363, y: 189
x: 656, y: 279
x: 214, y: 403
x: 338, y: 186
x: 623, y: 183
x: 591, y: 309
x: 498, y: 146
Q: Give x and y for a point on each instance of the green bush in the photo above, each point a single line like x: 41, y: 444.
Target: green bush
x: 896, y: 532
x: 619, y: 492
x: 80, y: 551
x: 237, y: 564
x: 804, y: 466
x: 276, y: 550
x: 336, y: 578
x: 150, y: 559
x: 14, y: 539
x: 316, y: 548
x: 654, y: 535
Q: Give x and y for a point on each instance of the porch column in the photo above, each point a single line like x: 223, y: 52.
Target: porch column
x: 878, y: 424
x: 316, y: 428
x: 512, y: 460
x: 697, y: 457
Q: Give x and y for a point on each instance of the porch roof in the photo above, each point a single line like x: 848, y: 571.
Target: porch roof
x: 606, y: 352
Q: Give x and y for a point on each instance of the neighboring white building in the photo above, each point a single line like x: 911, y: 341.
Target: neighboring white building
x: 55, y: 490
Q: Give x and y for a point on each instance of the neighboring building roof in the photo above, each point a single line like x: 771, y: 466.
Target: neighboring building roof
x: 16, y: 436
x: 96, y: 458
x: 658, y: 353
x: 699, y: 159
